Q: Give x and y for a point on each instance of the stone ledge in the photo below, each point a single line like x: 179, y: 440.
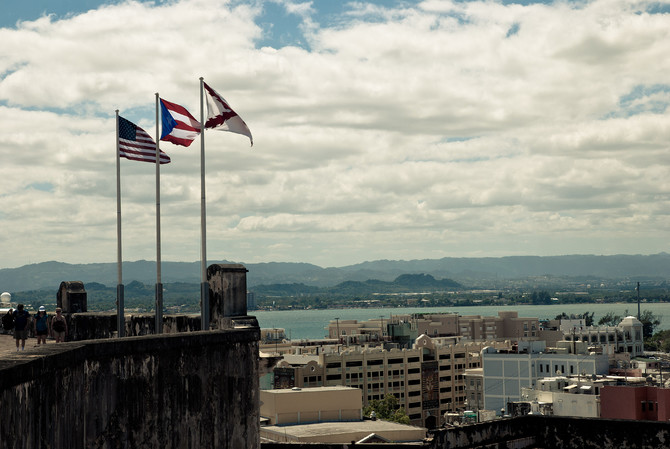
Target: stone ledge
x: 24, y: 366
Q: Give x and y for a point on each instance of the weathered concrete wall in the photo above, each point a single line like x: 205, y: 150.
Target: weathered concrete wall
x: 227, y: 293
x: 274, y: 445
x: 188, y: 390
x: 97, y: 325
x: 551, y: 432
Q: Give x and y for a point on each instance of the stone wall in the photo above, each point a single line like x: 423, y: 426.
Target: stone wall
x: 552, y: 432
x: 96, y: 325
x: 188, y: 390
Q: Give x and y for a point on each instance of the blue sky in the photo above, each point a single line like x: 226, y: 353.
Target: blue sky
x: 382, y: 129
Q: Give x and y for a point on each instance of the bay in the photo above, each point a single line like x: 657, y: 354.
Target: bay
x: 312, y: 323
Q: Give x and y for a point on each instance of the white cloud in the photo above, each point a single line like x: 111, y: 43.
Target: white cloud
x: 442, y: 129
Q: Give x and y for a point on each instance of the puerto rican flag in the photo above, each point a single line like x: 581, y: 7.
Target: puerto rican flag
x: 222, y: 117
x: 179, y: 126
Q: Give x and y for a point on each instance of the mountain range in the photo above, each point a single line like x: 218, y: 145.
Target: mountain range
x: 464, y: 271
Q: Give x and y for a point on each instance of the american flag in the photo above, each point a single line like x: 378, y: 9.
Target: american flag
x: 135, y: 144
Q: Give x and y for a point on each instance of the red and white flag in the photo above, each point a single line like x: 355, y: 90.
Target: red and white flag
x: 222, y: 117
x: 179, y: 126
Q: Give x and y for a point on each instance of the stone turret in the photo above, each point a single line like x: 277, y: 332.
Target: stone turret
x: 228, y: 297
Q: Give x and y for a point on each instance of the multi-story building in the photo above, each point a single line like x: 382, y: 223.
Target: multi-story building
x: 251, y: 301
x: 564, y: 396
x: 641, y: 402
x: 505, y: 373
x: 427, y: 379
x: 624, y: 338
x: 506, y: 326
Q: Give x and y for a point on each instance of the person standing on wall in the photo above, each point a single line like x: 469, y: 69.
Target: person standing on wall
x: 59, y: 326
x: 21, y: 322
x: 8, y: 321
x: 41, y: 326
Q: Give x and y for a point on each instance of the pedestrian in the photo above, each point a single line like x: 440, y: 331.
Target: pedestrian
x: 59, y: 326
x: 8, y: 321
x: 21, y: 322
x: 41, y: 325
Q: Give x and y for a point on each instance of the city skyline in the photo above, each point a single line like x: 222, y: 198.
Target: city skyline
x: 382, y: 130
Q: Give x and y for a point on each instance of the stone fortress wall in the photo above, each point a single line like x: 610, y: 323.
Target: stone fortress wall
x: 180, y: 390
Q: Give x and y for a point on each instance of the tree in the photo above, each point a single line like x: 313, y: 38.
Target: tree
x: 649, y: 323
x: 540, y: 298
x: 610, y: 319
x: 659, y: 342
x: 586, y: 316
x: 387, y: 409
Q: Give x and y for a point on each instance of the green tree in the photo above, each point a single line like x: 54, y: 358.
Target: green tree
x: 649, y: 323
x: 388, y: 409
x: 609, y: 319
x: 659, y: 342
x: 587, y: 317
x: 540, y: 297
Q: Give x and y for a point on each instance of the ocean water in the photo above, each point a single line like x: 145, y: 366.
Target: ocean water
x: 312, y: 324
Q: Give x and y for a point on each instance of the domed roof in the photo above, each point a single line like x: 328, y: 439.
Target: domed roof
x: 630, y: 321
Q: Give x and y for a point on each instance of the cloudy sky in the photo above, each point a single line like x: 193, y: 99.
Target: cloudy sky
x: 382, y: 129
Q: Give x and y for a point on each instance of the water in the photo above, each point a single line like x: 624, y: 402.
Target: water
x: 312, y: 324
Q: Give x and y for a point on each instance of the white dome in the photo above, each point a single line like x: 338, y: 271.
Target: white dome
x: 5, y: 298
x: 630, y: 321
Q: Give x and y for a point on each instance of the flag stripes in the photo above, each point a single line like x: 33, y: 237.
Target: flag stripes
x: 179, y: 126
x: 135, y: 144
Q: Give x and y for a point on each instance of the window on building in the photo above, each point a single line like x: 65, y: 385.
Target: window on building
x: 333, y: 365
x: 334, y: 377
x: 412, y: 359
x: 414, y: 371
x: 651, y: 406
x: 644, y: 406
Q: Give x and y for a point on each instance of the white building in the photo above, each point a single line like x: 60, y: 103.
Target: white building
x: 505, y: 374
x: 624, y: 338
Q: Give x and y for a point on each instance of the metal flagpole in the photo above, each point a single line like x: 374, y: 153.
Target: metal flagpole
x: 204, y: 285
x: 120, y: 315
x: 159, y: 285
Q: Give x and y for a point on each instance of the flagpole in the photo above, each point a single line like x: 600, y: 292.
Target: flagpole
x: 204, y: 285
x: 120, y: 314
x: 159, y: 285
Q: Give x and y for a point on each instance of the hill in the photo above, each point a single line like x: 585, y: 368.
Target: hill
x: 471, y: 272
